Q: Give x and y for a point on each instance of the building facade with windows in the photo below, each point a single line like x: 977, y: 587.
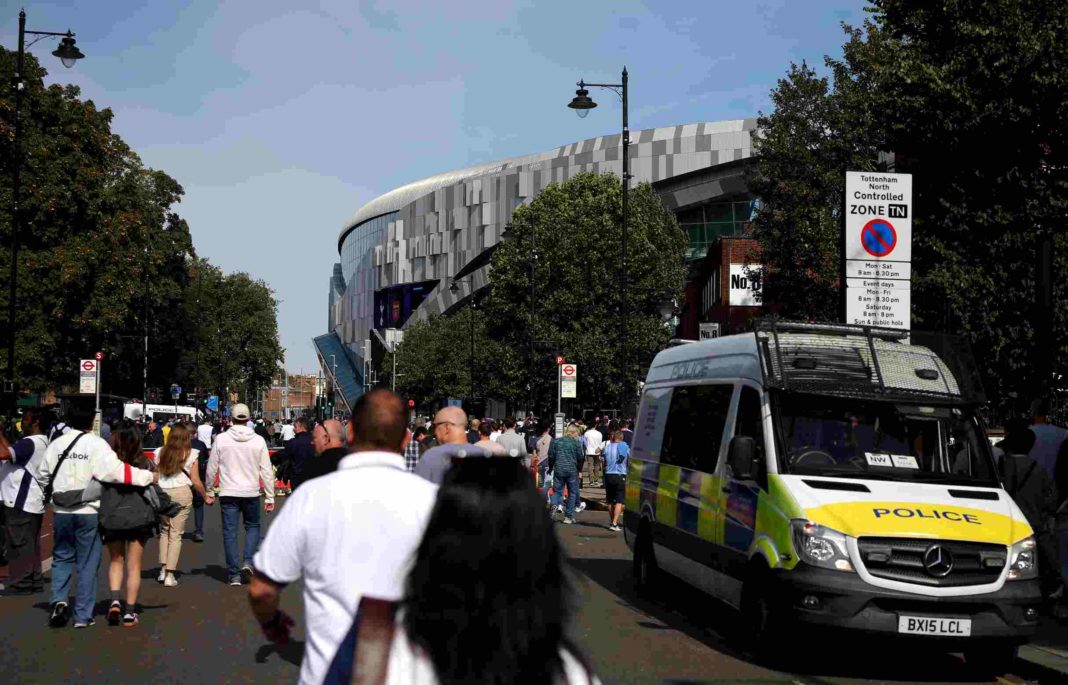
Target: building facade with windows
x: 401, y: 251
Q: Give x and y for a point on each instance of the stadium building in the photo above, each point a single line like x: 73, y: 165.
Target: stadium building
x: 401, y: 252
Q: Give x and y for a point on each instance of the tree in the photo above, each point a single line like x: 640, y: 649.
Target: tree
x: 978, y: 120
x: 233, y: 343
x: 104, y: 254
x: 804, y: 146
x: 449, y: 356
x: 571, y: 232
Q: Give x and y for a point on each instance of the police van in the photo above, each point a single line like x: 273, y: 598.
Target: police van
x: 833, y: 476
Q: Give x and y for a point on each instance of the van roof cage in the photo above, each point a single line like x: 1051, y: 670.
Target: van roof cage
x: 866, y: 361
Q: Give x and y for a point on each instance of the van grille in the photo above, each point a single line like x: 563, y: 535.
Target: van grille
x: 909, y: 560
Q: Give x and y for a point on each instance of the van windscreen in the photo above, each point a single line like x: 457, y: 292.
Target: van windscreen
x: 848, y: 438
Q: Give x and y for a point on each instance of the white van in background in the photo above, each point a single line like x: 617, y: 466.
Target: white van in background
x: 160, y: 412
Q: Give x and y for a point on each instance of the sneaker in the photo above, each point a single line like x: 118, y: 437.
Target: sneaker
x: 162, y: 575
x: 581, y: 507
x: 614, y: 529
x: 170, y: 581
x: 85, y: 624
x: 130, y: 619
x: 198, y: 537
x: 60, y: 615
x: 235, y: 581
x: 246, y: 573
x: 115, y: 613
x: 569, y: 520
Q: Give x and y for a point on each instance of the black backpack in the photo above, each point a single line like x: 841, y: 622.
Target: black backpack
x: 124, y: 507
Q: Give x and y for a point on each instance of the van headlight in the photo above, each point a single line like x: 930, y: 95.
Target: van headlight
x: 820, y: 546
x: 1023, y: 560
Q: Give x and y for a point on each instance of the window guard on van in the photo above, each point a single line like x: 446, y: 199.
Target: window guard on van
x: 866, y: 361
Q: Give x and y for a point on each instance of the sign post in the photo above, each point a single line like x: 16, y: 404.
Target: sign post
x: 98, y: 417
x: 878, y: 249
x: 559, y: 363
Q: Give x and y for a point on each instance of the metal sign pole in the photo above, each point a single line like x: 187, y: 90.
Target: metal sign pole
x: 99, y: 418
x: 558, y: 391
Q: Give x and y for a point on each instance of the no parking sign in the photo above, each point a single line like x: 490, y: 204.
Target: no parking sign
x: 878, y: 248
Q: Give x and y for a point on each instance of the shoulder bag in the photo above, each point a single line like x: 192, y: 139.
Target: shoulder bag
x: 47, y: 492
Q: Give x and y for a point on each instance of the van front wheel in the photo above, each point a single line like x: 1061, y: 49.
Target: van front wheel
x: 763, y: 625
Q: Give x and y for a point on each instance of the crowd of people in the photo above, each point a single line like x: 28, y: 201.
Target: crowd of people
x: 418, y: 595
x: 445, y: 531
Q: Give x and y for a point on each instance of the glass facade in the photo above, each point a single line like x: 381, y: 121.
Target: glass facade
x: 703, y: 225
x: 361, y: 278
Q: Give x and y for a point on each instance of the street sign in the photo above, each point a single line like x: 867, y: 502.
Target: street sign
x: 559, y: 360
x: 87, y: 377
x: 569, y: 381
x: 558, y: 425
x: 874, y: 302
x: 744, y: 285
x: 879, y: 238
x: 213, y: 403
x: 100, y: 356
x: 176, y: 391
x: 708, y: 330
x: 878, y: 216
x: 878, y: 249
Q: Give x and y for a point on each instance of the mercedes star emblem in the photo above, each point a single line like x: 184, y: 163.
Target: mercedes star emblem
x: 938, y: 561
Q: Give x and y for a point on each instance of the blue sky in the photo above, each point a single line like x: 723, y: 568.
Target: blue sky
x: 280, y: 119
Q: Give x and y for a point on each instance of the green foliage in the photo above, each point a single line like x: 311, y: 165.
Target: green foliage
x: 448, y: 357
x: 575, y: 231
x: 233, y: 331
x: 971, y: 98
x: 100, y: 241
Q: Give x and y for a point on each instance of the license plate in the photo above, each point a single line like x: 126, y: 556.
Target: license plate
x: 924, y: 625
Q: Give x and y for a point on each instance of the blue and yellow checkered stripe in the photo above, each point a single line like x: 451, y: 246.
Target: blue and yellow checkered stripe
x: 680, y: 498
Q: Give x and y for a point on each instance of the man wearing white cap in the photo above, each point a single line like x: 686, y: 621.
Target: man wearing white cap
x: 243, y: 465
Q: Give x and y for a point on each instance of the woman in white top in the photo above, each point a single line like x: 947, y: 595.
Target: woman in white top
x: 468, y: 615
x: 178, y: 476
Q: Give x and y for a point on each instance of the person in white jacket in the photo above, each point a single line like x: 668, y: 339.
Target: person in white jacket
x: 242, y: 464
x: 76, y: 538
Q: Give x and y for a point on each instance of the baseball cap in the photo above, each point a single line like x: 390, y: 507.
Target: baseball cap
x: 240, y: 412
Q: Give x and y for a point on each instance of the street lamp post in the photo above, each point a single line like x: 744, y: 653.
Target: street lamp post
x: 68, y: 53
x: 582, y: 104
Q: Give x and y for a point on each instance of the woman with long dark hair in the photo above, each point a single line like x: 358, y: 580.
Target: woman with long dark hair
x: 488, y: 599
x: 126, y: 547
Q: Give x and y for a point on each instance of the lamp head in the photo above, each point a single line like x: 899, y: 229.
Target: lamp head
x: 68, y: 52
x: 582, y: 103
x: 454, y: 288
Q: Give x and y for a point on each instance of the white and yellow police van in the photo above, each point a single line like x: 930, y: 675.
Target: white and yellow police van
x: 833, y: 476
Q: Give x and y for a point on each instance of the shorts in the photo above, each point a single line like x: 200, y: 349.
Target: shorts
x: 615, y: 486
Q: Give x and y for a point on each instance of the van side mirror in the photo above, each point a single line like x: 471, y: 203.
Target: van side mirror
x: 743, y: 457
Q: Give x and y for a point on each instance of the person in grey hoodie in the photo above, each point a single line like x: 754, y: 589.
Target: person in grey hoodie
x: 513, y: 443
x: 242, y: 464
x: 76, y: 536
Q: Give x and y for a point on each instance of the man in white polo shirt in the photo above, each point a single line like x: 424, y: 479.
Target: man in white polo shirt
x: 348, y: 534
